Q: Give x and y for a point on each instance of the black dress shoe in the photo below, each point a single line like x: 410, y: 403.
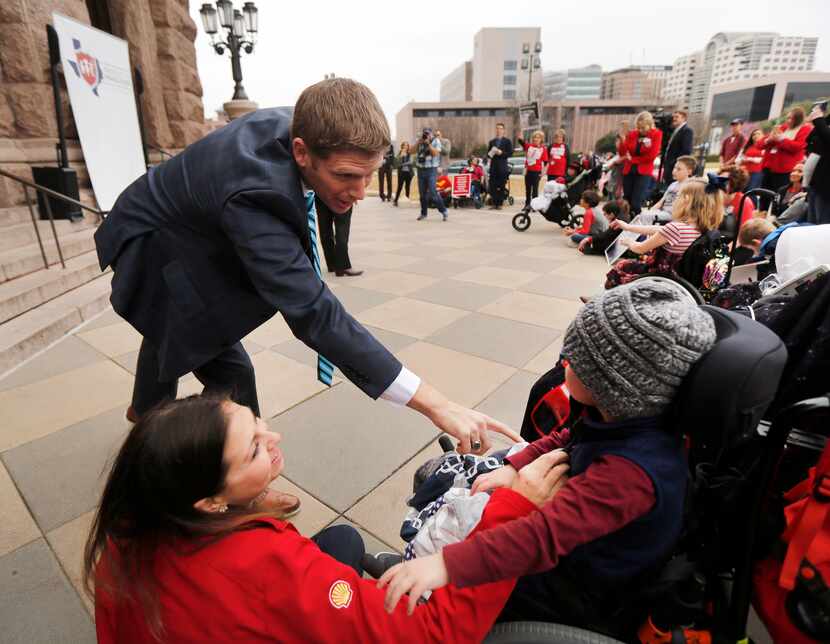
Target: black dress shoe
x: 349, y: 272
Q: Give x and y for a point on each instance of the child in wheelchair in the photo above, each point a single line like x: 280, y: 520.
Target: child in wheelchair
x: 621, y: 512
x: 697, y: 210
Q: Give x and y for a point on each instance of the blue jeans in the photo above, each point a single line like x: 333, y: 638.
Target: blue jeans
x: 427, y: 190
x: 636, y: 188
x: 576, y: 238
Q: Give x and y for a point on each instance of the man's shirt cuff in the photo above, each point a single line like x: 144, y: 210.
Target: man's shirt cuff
x: 400, y: 392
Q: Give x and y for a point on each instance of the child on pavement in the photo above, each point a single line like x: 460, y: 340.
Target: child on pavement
x: 613, y: 210
x: 593, y: 221
x: 621, y: 511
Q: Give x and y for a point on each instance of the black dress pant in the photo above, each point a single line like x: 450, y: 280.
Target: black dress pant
x: 230, y: 372
x: 404, y: 181
x: 385, y: 172
x: 498, y: 181
x: 344, y: 543
x: 635, y: 189
x: 334, y: 238
x: 531, y: 186
x: 772, y: 181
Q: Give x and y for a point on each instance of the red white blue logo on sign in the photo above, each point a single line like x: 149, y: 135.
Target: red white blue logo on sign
x: 86, y: 67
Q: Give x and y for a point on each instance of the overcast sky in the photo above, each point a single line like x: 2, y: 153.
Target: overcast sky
x: 402, y: 50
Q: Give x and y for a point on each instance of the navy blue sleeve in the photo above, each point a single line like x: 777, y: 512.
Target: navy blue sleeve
x: 282, y: 274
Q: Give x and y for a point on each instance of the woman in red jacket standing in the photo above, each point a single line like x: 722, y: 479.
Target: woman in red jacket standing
x: 642, y: 146
x: 181, y: 551
x: 557, y: 166
x: 536, y: 156
x: 784, y: 149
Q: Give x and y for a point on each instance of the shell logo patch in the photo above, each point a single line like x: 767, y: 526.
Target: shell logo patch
x: 340, y: 594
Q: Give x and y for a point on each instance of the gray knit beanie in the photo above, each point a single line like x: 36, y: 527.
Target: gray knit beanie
x: 633, y: 345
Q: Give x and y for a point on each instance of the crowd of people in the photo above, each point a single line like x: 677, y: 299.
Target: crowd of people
x: 190, y: 543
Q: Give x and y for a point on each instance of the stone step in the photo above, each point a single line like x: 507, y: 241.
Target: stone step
x: 15, y: 215
x: 35, y: 330
x: 20, y: 295
x: 27, y: 259
x: 24, y: 234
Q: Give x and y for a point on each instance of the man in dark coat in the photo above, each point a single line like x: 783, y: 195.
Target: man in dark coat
x: 214, y: 242
x: 499, y: 150
x: 681, y: 143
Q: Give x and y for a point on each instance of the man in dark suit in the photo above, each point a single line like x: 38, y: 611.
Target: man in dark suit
x: 499, y: 150
x: 211, y: 244
x: 680, y: 144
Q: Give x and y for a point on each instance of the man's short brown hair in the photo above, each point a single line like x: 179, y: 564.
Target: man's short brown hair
x: 340, y: 114
x: 754, y: 230
x: 682, y: 113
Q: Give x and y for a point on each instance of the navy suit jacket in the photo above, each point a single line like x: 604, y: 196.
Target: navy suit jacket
x: 679, y: 146
x: 212, y: 243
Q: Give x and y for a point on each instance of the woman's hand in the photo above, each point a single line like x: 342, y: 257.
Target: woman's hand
x: 814, y: 114
x: 414, y: 577
x: 502, y: 477
x: 540, y: 480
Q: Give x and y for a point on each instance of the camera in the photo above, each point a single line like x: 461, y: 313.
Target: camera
x: 426, y: 135
x: 662, y: 121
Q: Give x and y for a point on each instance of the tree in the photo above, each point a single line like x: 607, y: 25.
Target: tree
x: 771, y: 123
x: 606, y: 143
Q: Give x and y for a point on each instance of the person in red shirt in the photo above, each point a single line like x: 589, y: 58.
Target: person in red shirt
x: 784, y: 149
x: 558, y: 154
x: 751, y: 158
x: 641, y: 147
x: 621, y: 511
x: 735, y: 186
x: 731, y: 146
x: 476, y: 182
x: 536, y: 157
x: 180, y: 551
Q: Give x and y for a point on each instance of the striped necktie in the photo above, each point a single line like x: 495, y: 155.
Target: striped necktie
x: 325, y: 369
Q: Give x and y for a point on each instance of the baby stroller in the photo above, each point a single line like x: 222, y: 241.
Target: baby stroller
x: 554, y: 204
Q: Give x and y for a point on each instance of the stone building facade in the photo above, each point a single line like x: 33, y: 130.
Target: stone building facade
x: 160, y: 34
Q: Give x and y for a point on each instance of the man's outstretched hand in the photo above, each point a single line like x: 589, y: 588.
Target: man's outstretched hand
x: 471, y: 428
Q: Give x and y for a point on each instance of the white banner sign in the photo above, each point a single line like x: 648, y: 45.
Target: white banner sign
x: 96, y: 66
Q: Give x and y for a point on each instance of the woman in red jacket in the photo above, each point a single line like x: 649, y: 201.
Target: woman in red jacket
x: 536, y: 156
x: 751, y: 158
x: 784, y: 149
x: 642, y: 146
x: 180, y: 550
x: 557, y: 166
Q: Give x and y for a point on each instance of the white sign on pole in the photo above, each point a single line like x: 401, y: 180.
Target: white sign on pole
x: 96, y: 66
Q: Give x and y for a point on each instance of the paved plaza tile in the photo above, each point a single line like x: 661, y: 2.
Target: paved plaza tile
x: 471, y: 305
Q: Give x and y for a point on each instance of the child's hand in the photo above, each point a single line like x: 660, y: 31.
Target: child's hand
x: 568, y: 231
x: 502, y: 477
x: 617, y: 224
x: 626, y: 241
x: 583, y: 244
x: 414, y: 577
x: 540, y: 480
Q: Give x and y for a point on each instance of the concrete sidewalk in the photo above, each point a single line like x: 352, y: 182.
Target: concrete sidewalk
x: 471, y: 305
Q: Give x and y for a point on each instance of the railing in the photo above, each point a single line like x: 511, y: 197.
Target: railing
x: 48, y: 192
x: 164, y: 153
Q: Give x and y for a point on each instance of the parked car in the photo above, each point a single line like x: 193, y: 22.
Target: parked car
x: 456, y: 167
x: 517, y: 165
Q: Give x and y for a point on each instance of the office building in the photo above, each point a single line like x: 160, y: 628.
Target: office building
x: 458, y: 84
x: 581, y: 83
x: 636, y: 83
x: 497, y: 73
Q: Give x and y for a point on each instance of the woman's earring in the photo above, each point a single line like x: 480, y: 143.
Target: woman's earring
x: 222, y: 508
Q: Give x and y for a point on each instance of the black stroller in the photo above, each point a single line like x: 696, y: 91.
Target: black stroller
x: 561, y: 200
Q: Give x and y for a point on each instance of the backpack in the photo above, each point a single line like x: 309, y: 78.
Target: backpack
x: 709, y: 246
x: 792, y: 595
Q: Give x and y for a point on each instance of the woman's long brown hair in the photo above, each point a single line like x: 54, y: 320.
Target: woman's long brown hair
x: 171, y: 459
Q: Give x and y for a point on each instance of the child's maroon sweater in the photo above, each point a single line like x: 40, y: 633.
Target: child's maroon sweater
x: 586, y: 508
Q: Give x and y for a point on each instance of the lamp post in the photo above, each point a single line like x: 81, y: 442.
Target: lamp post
x: 242, y: 28
x: 531, y: 60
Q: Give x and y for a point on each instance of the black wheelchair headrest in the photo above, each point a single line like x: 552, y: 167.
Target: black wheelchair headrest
x: 728, y: 391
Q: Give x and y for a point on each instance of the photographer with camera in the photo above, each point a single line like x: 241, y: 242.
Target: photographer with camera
x: 680, y: 144
x: 428, y: 157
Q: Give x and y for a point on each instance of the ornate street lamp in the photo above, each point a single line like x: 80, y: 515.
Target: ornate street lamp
x: 241, y: 27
